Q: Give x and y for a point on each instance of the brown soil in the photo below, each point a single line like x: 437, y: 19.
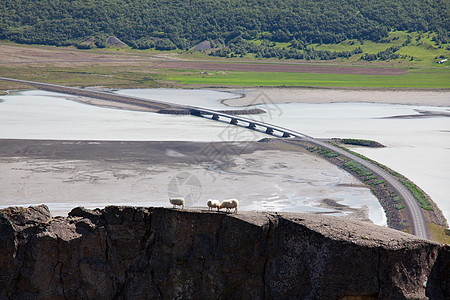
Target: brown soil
x: 11, y: 54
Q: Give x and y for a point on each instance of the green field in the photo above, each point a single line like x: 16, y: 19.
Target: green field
x: 418, y: 48
x: 130, y: 68
x: 140, y: 77
x: 413, y: 49
x: 416, y: 78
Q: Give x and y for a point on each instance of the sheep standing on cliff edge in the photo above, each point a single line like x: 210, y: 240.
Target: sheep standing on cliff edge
x: 213, y: 203
x: 177, y: 201
x: 229, y: 204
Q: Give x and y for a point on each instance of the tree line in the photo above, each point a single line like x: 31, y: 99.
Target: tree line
x: 172, y: 24
x: 267, y: 50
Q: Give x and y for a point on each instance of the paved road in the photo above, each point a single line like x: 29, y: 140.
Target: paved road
x: 418, y: 221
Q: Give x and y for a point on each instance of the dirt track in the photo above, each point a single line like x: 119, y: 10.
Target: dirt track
x: 292, y: 68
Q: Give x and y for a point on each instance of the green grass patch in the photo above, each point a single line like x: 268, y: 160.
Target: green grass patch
x: 419, y: 48
x: 377, y: 182
x: 396, y: 198
x: 400, y: 206
x: 323, y: 152
x: 111, y: 76
x: 416, y: 49
x: 418, y: 194
x: 272, y: 44
x: 392, y: 172
x: 359, y: 169
x: 439, y: 233
x: 361, y: 142
x: 418, y: 78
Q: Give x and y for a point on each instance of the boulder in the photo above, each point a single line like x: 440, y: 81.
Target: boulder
x: 112, y: 41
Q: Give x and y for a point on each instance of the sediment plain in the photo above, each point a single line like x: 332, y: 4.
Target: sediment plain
x: 263, y: 176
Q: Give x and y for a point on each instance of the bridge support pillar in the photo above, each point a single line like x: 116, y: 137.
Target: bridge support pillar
x: 215, y: 117
x: 251, y: 125
x: 269, y: 130
x: 233, y: 121
x: 286, y: 135
x: 196, y: 112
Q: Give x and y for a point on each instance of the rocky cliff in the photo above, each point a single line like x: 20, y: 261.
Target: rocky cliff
x: 158, y: 253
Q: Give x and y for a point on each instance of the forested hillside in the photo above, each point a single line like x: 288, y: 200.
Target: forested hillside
x: 171, y: 24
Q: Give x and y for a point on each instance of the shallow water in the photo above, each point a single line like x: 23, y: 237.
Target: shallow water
x: 64, y: 184
x: 46, y: 115
x: 416, y: 147
x: 202, y: 98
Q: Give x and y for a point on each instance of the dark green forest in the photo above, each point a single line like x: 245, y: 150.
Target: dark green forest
x: 171, y: 24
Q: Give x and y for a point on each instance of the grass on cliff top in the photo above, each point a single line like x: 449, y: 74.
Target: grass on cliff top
x: 438, y: 233
x: 415, y: 78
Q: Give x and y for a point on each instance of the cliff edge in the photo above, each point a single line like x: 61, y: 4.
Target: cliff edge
x: 159, y: 253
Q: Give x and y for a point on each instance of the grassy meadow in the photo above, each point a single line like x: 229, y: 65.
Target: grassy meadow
x: 419, y: 48
x: 418, y: 52
x: 415, y: 78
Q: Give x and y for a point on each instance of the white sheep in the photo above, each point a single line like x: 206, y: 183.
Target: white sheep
x: 213, y: 203
x: 177, y: 201
x: 229, y: 204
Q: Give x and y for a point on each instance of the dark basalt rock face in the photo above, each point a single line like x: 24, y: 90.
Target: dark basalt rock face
x: 158, y: 253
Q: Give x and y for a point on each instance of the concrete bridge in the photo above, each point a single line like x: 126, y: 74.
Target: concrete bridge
x: 244, y: 122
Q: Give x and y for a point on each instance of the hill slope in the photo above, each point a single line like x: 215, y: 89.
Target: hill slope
x: 170, y: 24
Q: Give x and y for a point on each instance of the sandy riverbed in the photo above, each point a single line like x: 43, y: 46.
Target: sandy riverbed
x: 305, y: 95
x: 263, y: 176
x: 129, y: 177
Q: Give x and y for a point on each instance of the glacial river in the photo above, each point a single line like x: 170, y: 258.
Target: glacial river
x: 418, y: 147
